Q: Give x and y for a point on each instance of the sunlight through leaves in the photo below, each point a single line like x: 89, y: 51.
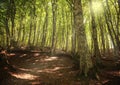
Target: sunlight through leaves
x: 97, y: 6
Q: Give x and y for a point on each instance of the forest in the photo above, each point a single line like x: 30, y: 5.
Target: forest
x: 59, y: 42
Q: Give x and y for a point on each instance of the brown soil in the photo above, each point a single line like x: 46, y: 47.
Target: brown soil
x: 39, y: 68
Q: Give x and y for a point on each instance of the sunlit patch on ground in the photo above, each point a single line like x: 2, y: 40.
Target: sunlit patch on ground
x: 50, y: 59
x: 23, y: 47
x: 23, y: 55
x: 36, y: 54
x: 105, y: 81
x: 23, y: 69
x: 115, y: 73
x: 28, y: 70
x: 24, y: 76
x: 11, y: 54
x: 52, y: 70
x: 36, y: 60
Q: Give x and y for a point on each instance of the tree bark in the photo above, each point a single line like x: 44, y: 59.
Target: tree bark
x: 85, y: 59
x: 54, y: 7
x: 97, y: 54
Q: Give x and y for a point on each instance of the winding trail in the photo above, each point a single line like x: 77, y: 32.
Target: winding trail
x: 40, y: 69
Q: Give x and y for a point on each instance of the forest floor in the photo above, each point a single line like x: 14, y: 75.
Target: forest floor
x: 37, y: 68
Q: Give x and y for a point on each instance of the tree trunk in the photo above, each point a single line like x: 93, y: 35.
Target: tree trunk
x: 12, y: 13
x: 102, y: 32
x: 73, y: 34
x: 97, y: 54
x: 35, y: 21
x: 45, y: 25
x: 54, y: 7
x: 85, y: 59
x: 30, y: 32
x: 7, y: 29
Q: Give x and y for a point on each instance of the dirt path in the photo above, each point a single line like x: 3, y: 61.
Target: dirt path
x: 37, y: 69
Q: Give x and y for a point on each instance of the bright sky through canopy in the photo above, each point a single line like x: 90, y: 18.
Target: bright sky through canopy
x: 97, y: 7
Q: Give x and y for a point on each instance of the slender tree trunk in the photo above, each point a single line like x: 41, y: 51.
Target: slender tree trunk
x: 30, y: 32
x: 73, y: 40
x: 102, y: 32
x: 45, y: 25
x: 97, y: 54
x: 7, y: 29
x: 7, y: 32
x: 38, y: 32
x: 34, y: 33
x: 20, y: 29
x: 67, y: 35
x: 23, y: 33
x: 34, y: 25
x: 63, y: 28
x: 118, y: 20
x: 54, y: 7
x: 12, y: 12
x: 73, y: 34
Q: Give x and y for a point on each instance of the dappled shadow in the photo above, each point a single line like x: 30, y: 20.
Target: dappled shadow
x: 41, y: 69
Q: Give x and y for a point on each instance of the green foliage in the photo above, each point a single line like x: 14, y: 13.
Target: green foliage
x: 35, y: 10
x: 33, y: 24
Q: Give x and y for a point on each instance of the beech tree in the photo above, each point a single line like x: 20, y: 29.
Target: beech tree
x: 83, y: 28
